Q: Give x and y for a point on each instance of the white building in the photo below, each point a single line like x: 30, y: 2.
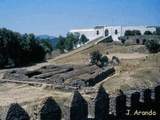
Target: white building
x: 114, y: 31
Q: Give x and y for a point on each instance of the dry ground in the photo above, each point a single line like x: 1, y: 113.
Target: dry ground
x: 82, y: 57
x: 135, y: 74
x: 138, y: 69
x: 11, y: 93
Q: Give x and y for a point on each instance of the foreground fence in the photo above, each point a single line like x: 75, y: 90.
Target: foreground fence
x: 148, y: 109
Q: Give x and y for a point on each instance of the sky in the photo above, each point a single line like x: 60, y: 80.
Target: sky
x: 57, y: 17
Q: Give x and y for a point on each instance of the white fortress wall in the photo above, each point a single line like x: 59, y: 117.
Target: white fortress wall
x: 114, y: 31
x: 89, y: 33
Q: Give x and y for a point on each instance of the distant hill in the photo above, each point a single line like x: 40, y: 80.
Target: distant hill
x: 52, y: 39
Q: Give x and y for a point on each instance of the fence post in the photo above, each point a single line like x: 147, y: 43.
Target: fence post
x: 50, y: 110
x: 77, y: 109
x: 16, y: 112
x: 121, y: 106
x: 101, y: 105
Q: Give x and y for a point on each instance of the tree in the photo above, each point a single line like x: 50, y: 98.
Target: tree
x: 147, y: 33
x: 68, y: 44
x: 83, y: 39
x: 132, y: 32
x: 136, y: 32
x: 18, y: 50
x: 158, y: 31
x: 153, y: 46
x: 45, y: 43
x: 60, y: 44
x: 128, y: 33
x: 69, y: 41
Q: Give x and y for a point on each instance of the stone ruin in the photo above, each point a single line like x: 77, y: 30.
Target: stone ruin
x: 104, y: 107
x: 65, y: 76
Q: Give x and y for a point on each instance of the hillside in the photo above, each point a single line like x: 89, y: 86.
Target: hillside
x: 135, y: 74
x: 81, y: 55
x: 138, y: 68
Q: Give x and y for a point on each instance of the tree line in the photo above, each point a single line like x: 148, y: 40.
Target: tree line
x: 21, y: 49
x: 70, y: 42
x: 137, y: 32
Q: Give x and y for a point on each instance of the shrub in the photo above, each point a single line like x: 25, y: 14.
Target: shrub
x: 104, y: 60
x: 95, y: 57
x: 115, y: 60
x: 153, y: 46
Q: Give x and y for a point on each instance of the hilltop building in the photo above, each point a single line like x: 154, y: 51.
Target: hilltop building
x: 114, y: 31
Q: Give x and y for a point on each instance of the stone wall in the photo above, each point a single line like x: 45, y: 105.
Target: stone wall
x: 129, y: 106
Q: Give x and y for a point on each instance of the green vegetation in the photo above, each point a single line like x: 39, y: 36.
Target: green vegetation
x: 97, y: 59
x: 19, y: 50
x: 147, y: 33
x: 108, y: 40
x: 104, y: 60
x: 70, y: 41
x: 132, y: 32
x: 60, y: 44
x: 83, y: 39
x: 153, y: 45
x: 157, y: 31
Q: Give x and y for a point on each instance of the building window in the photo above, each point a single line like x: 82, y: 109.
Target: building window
x: 137, y: 41
x: 97, y: 32
x: 116, y: 31
x: 144, y: 41
x: 106, y: 32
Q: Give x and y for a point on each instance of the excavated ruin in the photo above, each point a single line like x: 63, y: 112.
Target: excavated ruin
x: 63, y: 75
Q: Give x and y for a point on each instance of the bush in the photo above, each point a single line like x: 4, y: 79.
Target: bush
x: 97, y: 59
x: 153, y: 46
x: 104, y: 61
x: 115, y: 60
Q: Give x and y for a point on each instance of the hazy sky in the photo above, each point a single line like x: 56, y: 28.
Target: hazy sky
x: 56, y: 17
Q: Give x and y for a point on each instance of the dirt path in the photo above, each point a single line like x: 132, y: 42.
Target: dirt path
x: 128, y: 55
